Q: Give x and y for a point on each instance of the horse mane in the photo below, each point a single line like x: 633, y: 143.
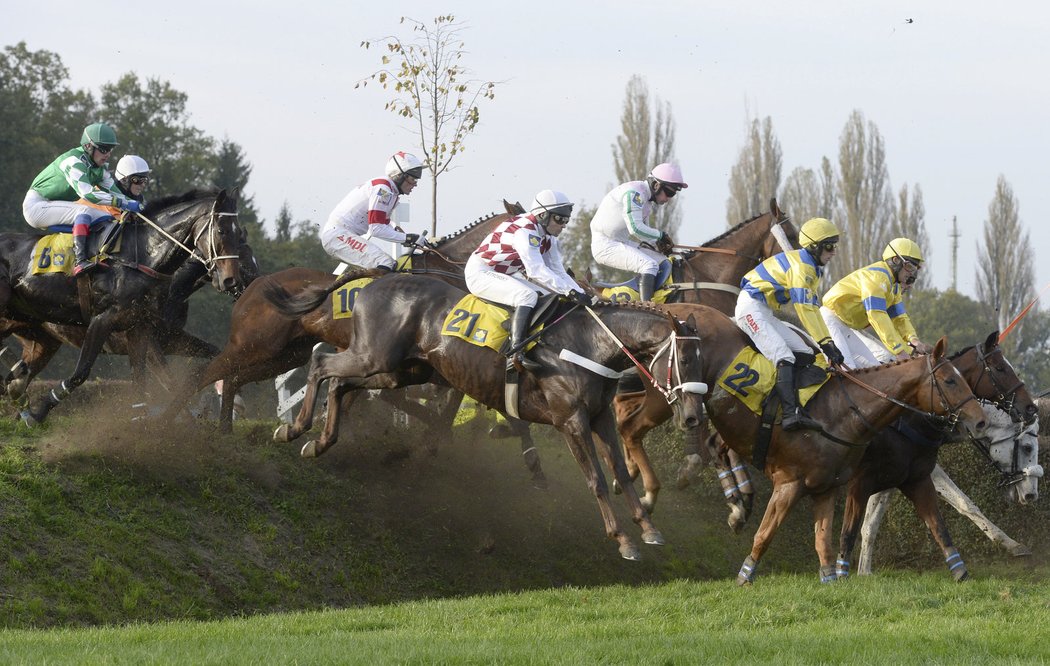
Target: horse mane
x: 859, y: 371
x: 167, y: 201
x: 644, y: 306
x: 732, y: 231
x: 457, y: 234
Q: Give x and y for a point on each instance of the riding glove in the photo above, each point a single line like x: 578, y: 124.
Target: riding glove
x: 832, y: 352
x: 579, y: 298
x: 410, y: 240
x: 665, y: 245
x: 131, y: 206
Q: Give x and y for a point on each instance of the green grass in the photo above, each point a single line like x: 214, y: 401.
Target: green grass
x: 900, y: 618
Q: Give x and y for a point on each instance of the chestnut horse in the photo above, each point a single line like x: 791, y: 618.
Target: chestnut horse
x: 713, y: 271
x: 904, y: 456
x: 397, y: 341
x: 806, y: 462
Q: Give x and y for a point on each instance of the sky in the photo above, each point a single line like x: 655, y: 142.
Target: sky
x: 959, y: 95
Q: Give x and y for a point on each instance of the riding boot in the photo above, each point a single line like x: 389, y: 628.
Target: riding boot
x: 80, y: 250
x: 519, y: 330
x: 646, y: 286
x: 794, y: 417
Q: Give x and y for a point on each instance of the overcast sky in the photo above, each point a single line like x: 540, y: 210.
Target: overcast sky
x: 959, y: 94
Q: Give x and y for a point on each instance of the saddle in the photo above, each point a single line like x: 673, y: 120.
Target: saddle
x: 53, y: 253
x: 628, y: 291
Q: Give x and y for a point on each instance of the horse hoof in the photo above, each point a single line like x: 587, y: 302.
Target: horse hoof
x: 500, y: 431
x: 539, y: 481
x: 282, y: 434
x: 309, y: 449
x: 1020, y: 550
x: 654, y: 538
x: 743, y: 582
x: 737, y: 518
x: 629, y: 551
x: 616, y: 487
x: 28, y: 418
x: 961, y: 574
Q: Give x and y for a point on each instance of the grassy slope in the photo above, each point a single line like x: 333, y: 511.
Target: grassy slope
x: 103, y: 522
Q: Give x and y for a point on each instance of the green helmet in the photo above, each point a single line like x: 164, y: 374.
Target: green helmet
x: 99, y: 134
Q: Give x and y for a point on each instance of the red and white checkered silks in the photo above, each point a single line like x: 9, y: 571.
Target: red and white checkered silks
x: 498, y: 249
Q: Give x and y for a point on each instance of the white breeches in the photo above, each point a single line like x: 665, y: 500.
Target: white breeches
x: 774, y: 338
x: 625, y: 256
x: 860, y: 350
x: 498, y: 287
x: 353, y: 249
x: 41, y: 213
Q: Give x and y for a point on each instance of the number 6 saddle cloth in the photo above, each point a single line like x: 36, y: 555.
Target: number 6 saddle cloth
x: 750, y: 377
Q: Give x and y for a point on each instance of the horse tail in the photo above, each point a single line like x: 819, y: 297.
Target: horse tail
x: 293, y: 306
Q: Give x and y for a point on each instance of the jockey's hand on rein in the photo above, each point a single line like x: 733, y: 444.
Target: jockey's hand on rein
x: 664, y: 245
x: 410, y: 240
x: 580, y: 298
x: 832, y: 352
x: 131, y: 206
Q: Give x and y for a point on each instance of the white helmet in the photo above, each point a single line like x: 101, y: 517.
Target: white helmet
x: 553, y: 202
x: 130, y: 165
x: 403, y: 164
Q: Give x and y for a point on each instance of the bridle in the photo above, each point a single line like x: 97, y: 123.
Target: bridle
x: 673, y: 385
x: 212, y: 257
x: 1005, y: 397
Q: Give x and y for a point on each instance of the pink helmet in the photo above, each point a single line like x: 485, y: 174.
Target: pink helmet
x: 669, y: 174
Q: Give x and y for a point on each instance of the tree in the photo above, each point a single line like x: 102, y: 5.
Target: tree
x: 1005, y: 266
x: 433, y: 89
x: 756, y: 175
x: 151, y: 121
x: 800, y: 195
x: 865, y: 211
x: 283, y: 224
x: 231, y: 170
x: 40, y: 118
x: 647, y: 136
x: 910, y: 222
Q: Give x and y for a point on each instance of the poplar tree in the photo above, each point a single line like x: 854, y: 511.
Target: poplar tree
x: 756, y: 175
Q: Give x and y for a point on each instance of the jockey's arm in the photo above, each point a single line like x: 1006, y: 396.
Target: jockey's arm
x: 535, y: 264
x: 634, y: 218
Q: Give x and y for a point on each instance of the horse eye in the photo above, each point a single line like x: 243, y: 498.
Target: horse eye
x: 950, y: 381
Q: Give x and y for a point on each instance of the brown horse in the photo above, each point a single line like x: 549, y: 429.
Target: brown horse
x: 397, y: 340
x: 712, y: 277
x: 904, y: 455
x: 807, y: 462
x: 263, y: 344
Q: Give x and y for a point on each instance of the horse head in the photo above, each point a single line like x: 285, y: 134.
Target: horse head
x: 676, y: 372
x: 949, y: 393
x: 219, y: 240
x: 1014, y: 449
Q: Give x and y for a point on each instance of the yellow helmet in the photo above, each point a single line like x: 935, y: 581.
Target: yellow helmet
x: 816, y: 230
x: 904, y: 248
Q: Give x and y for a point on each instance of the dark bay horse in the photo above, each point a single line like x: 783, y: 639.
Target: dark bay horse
x: 264, y: 344
x: 904, y: 456
x: 125, y: 296
x: 712, y: 277
x: 397, y: 341
x: 809, y: 463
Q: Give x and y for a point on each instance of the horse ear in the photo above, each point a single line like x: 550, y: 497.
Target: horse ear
x: 938, y: 349
x: 514, y: 208
x: 220, y: 199
x: 691, y: 323
x: 774, y: 209
x: 992, y: 341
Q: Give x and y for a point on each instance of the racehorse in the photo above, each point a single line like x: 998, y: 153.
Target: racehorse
x: 856, y: 406
x: 397, y: 341
x: 905, y: 456
x: 125, y: 295
x: 40, y: 341
x: 263, y: 344
x: 713, y: 272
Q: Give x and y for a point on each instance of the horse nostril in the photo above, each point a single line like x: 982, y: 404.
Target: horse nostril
x: 1030, y: 497
x: 229, y: 283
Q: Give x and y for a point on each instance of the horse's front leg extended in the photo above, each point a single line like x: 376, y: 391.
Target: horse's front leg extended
x: 340, y: 397
x: 604, y: 428
x: 633, y: 426
x: 951, y: 493
x: 577, y: 433
x: 305, y: 418
x: 923, y: 495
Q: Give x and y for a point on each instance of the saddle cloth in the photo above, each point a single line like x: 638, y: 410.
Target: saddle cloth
x: 483, y: 323
x: 628, y: 291
x: 53, y: 253
x: 343, y: 298
x: 750, y: 377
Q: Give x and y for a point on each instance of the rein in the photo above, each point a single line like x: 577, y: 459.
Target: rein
x: 775, y: 228
x: 209, y: 262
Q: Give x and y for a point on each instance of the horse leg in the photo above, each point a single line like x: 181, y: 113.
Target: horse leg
x: 947, y: 489
x: 627, y: 408
x: 97, y: 332
x: 604, y: 428
x: 632, y: 427
x: 740, y: 508
x: 924, y: 496
x: 874, y: 514
x: 823, y: 517
x: 37, y: 352
x: 857, y: 493
x: 340, y: 397
x: 528, y: 450
x: 781, y: 501
x: 699, y: 450
x: 577, y: 433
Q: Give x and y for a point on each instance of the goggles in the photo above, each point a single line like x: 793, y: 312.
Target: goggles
x: 104, y: 147
x: 138, y: 180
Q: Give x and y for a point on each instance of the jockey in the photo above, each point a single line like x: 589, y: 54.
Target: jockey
x: 873, y: 296
x: 364, y: 213
x: 78, y: 174
x: 621, y: 218
x: 790, y: 277
x: 519, y: 260
x: 132, y: 174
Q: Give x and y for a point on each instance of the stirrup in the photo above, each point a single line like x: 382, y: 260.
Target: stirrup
x: 520, y: 362
x: 799, y: 420
x: 84, y: 267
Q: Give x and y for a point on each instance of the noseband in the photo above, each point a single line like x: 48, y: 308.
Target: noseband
x: 673, y: 384
x: 209, y: 261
